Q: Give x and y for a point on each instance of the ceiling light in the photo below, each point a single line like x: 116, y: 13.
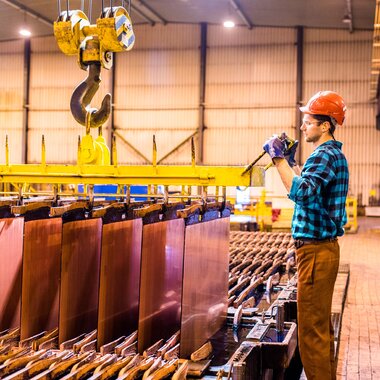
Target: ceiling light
x: 228, y: 24
x: 346, y: 19
x: 25, y: 32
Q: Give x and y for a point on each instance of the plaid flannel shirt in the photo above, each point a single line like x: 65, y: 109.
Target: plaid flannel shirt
x: 320, y: 194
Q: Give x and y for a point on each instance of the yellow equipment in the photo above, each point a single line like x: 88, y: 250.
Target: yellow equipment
x: 191, y: 175
x: 352, y: 215
x: 94, y: 45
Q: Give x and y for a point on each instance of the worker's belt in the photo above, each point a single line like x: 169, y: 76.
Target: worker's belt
x: 298, y: 243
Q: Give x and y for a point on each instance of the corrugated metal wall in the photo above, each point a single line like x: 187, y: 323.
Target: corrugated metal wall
x: 250, y: 94
x: 250, y: 91
x: 341, y: 62
x: 11, y: 98
x: 157, y: 92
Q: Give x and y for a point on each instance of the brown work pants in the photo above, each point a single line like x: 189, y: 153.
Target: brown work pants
x: 317, y: 266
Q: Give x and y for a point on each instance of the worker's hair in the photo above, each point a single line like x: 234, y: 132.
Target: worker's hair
x: 331, y: 120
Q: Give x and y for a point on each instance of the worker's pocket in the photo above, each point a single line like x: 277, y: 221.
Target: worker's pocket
x: 306, y: 265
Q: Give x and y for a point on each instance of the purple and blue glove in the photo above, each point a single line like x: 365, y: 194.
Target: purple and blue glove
x: 278, y: 148
x: 275, y: 147
x: 291, y: 153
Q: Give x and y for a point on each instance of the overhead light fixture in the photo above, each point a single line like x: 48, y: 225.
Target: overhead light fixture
x: 25, y: 32
x: 346, y: 19
x: 228, y: 24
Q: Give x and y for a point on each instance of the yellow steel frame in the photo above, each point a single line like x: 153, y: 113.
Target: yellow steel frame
x: 132, y: 175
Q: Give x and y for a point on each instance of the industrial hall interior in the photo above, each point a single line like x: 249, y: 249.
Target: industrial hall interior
x: 189, y: 189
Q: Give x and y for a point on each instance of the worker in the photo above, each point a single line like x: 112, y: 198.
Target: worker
x: 319, y: 192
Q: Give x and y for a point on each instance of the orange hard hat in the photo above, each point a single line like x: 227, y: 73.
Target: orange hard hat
x: 327, y: 103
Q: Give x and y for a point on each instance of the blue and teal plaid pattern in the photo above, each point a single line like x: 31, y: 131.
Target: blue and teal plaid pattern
x: 320, y: 194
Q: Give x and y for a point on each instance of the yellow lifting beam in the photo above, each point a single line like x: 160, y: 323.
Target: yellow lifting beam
x: 132, y: 175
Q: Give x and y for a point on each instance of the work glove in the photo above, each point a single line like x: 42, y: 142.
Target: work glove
x: 275, y: 147
x: 290, y: 154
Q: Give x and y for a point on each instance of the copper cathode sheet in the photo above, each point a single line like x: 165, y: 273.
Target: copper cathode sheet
x: 205, y: 283
x: 80, y: 270
x: 119, y: 280
x: 40, y: 276
x: 161, y: 281
x: 11, y: 241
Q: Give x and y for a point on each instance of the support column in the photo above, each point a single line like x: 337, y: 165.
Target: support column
x: 378, y: 104
x: 111, y: 128
x: 202, y: 91
x: 299, y: 95
x: 25, y: 105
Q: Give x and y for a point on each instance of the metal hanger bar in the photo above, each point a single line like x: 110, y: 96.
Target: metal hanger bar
x: 153, y: 11
x: 239, y: 10
x: 143, y: 15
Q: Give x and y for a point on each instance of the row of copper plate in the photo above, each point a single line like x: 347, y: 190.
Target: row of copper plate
x: 11, y: 244
x: 154, y: 275
x: 120, y: 279
x: 205, y: 282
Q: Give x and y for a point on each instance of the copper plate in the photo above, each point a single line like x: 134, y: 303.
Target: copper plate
x: 119, y: 280
x: 40, y: 276
x: 80, y: 266
x: 205, y: 283
x: 161, y: 281
x: 11, y: 239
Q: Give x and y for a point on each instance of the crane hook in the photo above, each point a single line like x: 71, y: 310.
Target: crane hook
x: 82, y: 96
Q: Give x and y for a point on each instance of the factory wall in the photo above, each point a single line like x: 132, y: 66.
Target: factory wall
x: 157, y: 93
x: 250, y: 91
x: 11, y: 99
x: 250, y: 94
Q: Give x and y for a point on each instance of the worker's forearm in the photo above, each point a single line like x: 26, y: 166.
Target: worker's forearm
x: 297, y: 169
x: 286, y: 172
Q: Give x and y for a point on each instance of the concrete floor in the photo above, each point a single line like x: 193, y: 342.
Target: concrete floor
x: 359, y: 352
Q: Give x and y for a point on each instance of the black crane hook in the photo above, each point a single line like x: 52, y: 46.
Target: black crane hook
x: 82, y: 96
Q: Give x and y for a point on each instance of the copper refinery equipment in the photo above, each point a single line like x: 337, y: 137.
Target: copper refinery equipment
x: 120, y: 288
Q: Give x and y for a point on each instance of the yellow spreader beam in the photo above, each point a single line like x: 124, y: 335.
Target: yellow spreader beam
x: 132, y: 175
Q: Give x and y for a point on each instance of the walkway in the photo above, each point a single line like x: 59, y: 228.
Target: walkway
x: 359, y: 352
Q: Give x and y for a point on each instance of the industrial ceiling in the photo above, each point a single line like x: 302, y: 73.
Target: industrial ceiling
x: 38, y: 15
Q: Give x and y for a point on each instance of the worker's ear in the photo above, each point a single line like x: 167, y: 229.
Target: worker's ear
x: 325, y: 126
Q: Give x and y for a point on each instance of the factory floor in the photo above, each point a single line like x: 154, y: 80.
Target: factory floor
x: 359, y: 352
